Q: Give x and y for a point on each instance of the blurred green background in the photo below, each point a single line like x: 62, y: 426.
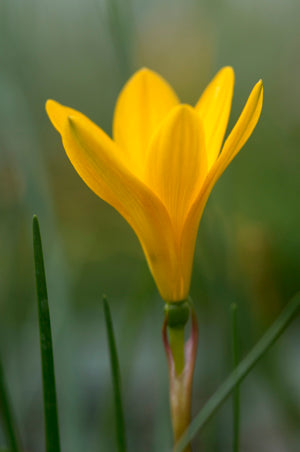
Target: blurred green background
x: 81, y: 53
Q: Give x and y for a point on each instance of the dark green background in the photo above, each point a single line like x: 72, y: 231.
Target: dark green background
x: 81, y: 53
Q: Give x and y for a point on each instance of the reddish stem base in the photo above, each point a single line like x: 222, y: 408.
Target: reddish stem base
x: 181, y: 384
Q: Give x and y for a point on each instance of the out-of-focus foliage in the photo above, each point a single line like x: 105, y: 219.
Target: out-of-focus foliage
x: 81, y: 53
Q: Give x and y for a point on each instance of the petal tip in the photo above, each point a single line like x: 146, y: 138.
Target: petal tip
x: 184, y: 111
x: 259, y: 89
x: 143, y: 72
x: 54, y: 111
x: 53, y: 107
x: 227, y: 71
x: 50, y: 103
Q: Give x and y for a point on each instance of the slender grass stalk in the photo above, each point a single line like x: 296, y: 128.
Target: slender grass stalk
x: 116, y: 379
x: 241, y: 371
x: 236, y: 391
x: 10, y: 428
x: 49, y: 390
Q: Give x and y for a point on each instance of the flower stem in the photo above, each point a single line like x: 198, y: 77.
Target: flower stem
x: 176, y: 339
x: 181, y: 361
x: 241, y: 371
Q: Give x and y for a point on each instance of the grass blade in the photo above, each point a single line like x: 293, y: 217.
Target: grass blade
x: 50, y: 408
x: 6, y: 411
x: 115, y: 370
x: 236, y: 391
x: 241, y: 371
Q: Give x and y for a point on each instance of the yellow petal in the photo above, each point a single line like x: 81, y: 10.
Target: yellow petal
x: 99, y: 162
x: 142, y: 104
x: 237, y: 138
x: 241, y: 131
x: 176, y: 163
x: 214, y: 108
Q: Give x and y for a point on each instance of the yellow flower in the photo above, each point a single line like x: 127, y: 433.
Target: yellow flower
x: 161, y: 165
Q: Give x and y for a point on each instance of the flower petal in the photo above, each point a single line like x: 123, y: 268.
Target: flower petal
x: 242, y: 129
x: 177, y: 163
x: 237, y: 138
x: 214, y: 108
x: 100, y: 163
x: 142, y: 104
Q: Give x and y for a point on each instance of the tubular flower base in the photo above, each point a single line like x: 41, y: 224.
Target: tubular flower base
x: 181, y: 358
x: 161, y: 165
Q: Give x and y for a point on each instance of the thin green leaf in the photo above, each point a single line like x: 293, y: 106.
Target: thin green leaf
x: 10, y: 428
x: 115, y: 370
x: 50, y: 408
x: 242, y: 370
x: 236, y: 391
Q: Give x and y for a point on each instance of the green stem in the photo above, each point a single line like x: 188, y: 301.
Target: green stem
x: 176, y: 338
x: 181, y: 360
x: 242, y: 370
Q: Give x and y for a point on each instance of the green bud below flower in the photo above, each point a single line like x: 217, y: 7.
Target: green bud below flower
x: 178, y: 313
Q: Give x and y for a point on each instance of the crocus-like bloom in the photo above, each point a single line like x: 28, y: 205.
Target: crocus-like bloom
x: 161, y: 165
